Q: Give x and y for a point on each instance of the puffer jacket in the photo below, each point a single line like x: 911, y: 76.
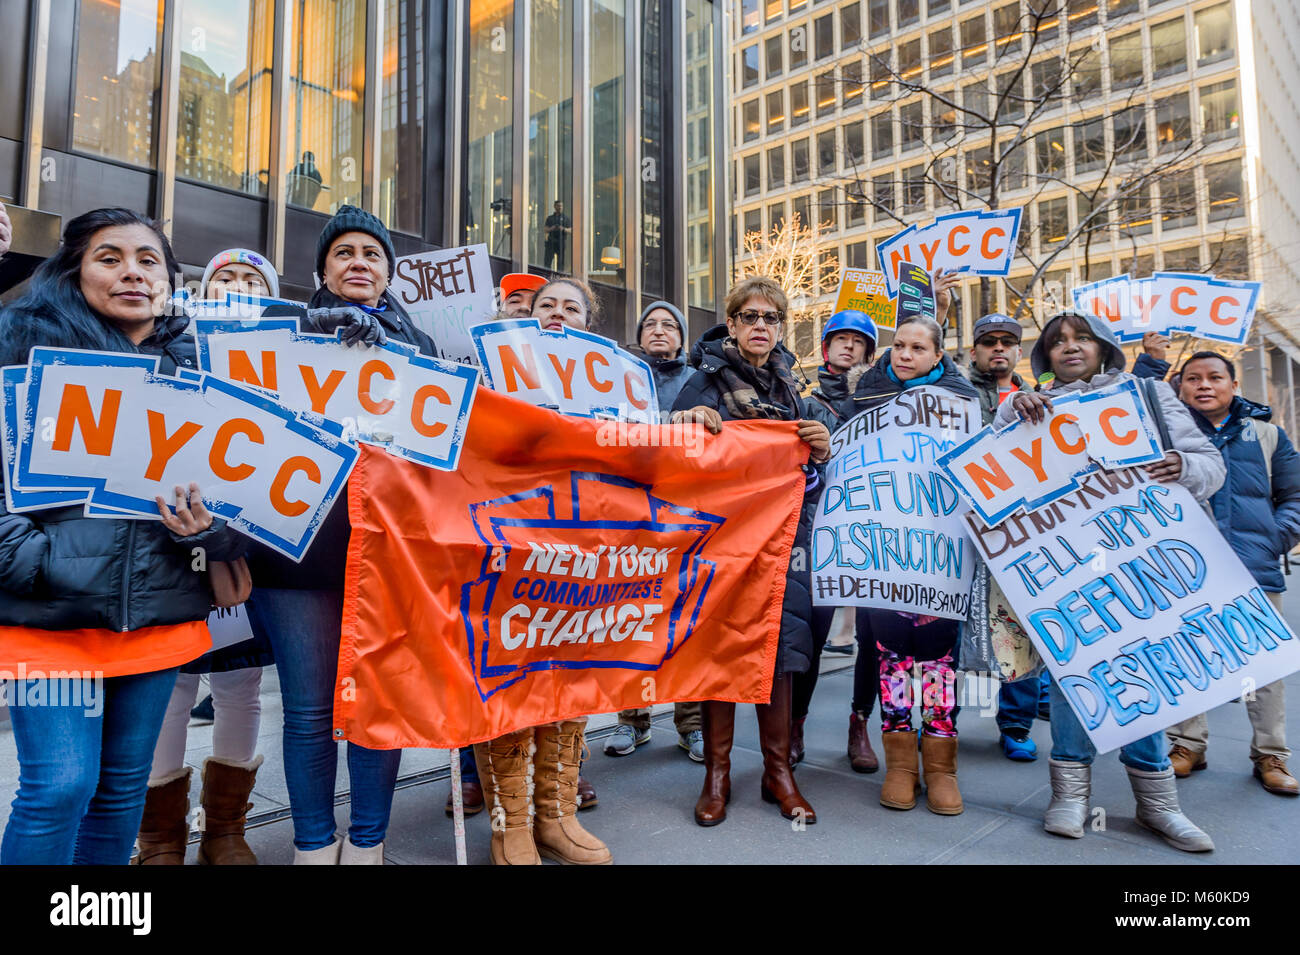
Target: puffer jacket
x: 322, y: 567
x: 1203, y: 467
x: 872, y: 386
x: 1261, y: 520
x: 829, y: 398
x: 61, y: 570
x: 795, y: 651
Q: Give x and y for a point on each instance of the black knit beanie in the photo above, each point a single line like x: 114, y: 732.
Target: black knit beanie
x: 352, y: 219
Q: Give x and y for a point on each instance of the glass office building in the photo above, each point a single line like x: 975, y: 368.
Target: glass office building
x: 575, y: 136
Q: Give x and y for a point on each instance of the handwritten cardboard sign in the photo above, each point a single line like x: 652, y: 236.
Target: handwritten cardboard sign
x: 571, y: 371
x: 1030, y: 465
x: 981, y: 243
x: 109, y: 423
x: 415, y: 406
x: 888, y: 531
x: 1142, y: 612
x: 866, y: 291
x: 446, y: 292
x: 1218, y: 309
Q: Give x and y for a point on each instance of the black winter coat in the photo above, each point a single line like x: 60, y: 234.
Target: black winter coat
x: 795, y: 651
x: 322, y: 567
x: 61, y: 570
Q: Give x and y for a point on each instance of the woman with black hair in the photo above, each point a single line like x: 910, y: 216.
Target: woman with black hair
x: 118, y: 599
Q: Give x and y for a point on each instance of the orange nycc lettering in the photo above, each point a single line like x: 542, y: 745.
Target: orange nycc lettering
x: 162, y: 447
x: 295, y: 465
x: 218, y: 457
x: 1217, y: 304
x: 1033, y: 458
x: 929, y: 251
x: 75, y: 412
x: 953, y: 248
x: 418, y: 421
x: 318, y: 393
x: 1109, y: 311
x: 565, y: 372
x: 241, y: 369
x: 991, y: 474
x: 1176, y: 298
x: 1105, y: 419
x: 600, y: 385
x: 1145, y: 306
x: 899, y: 256
x: 1058, y: 422
x: 630, y: 378
x: 368, y: 372
x: 984, y: 243
x: 512, y: 370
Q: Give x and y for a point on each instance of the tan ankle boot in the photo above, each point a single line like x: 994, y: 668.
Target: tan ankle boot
x: 505, y: 768
x: 901, y: 783
x: 939, y: 764
x: 558, y: 833
x: 164, y: 829
x: 226, y: 788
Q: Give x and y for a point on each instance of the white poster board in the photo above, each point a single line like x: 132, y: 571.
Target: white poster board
x: 446, y: 292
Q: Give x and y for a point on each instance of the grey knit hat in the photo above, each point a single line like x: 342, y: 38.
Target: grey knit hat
x: 352, y: 219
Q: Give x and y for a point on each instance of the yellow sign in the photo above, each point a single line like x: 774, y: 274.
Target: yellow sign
x: 865, y: 290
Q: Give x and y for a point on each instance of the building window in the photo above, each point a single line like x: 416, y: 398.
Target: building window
x: 827, y: 211
x: 798, y: 47
x: 913, y: 189
x: 1006, y: 27
x: 877, y: 17
x: 752, y: 174
x: 401, y: 154
x: 909, y: 61
x: 852, y: 73
x: 1214, y: 39
x: 748, y: 16
x: 975, y: 100
x: 935, y: 7
x: 974, y: 44
x: 801, y: 208
x: 1130, y: 129
x: 749, y: 120
x: 1229, y: 259
x: 753, y: 224
x: 775, y: 112
x: 1220, y: 118
x: 855, y: 253
x: 824, y: 36
x: 773, y: 10
x: 701, y: 210
x: 117, y: 74
x: 826, y: 158
x: 1099, y: 225
x: 882, y: 135
x: 799, y: 161
x: 1223, y: 181
x: 1080, y: 14
x: 855, y: 210
x: 1178, y: 199
x: 979, y: 170
x: 327, y: 107
x: 490, y: 128
x: 748, y: 67
x: 775, y: 216
x: 881, y: 80
x: 776, y: 167
x: 1126, y: 61
x: 1173, y: 123
x: 799, y: 103
x: 909, y: 11
x: 855, y: 149
x: 1086, y: 78
x: 1090, y: 144
x: 1168, y: 48
x: 825, y: 85
x: 1053, y: 221
x: 1011, y: 93
x: 1045, y: 79
x: 1135, y: 220
x: 850, y: 26
x: 1119, y: 8
x: 1183, y: 260
x: 911, y: 123
x: 941, y: 55
x: 772, y: 49
x: 1014, y: 166
x: 882, y: 193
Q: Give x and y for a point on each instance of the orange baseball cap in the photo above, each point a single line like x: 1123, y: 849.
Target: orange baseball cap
x: 518, y: 281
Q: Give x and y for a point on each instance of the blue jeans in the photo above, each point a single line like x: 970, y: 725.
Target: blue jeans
x: 1019, y: 702
x: 82, y: 776
x: 1071, y: 744
x: 304, y: 629
x: 468, y: 765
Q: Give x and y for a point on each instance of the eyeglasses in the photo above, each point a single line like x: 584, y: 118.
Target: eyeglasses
x: 1006, y: 341
x: 752, y: 317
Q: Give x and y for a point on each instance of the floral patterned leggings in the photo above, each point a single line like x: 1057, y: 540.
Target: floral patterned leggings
x: 938, y: 694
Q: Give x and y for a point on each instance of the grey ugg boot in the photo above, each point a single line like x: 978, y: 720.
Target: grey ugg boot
x: 1067, y: 813
x: 1158, y: 810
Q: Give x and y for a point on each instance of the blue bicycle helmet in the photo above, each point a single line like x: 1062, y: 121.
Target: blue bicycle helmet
x: 850, y: 320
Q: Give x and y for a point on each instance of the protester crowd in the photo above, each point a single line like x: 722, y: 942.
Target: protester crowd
x: 120, y: 597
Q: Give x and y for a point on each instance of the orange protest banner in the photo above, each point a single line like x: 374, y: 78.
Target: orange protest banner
x: 569, y: 566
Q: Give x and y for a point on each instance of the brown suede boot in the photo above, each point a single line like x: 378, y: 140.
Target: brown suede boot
x: 861, y: 756
x: 558, y: 833
x: 226, y: 788
x: 774, y: 739
x: 939, y: 764
x: 901, y: 784
x: 718, y: 724
x: 505, y: 768
x: 164, y: 828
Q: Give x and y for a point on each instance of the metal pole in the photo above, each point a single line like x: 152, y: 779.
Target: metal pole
x: 30, y: 191
x: 372, y: 139
x: 457, y: 808
x: 519, y: 137
x: 276, y: 194
x: 168, y: 118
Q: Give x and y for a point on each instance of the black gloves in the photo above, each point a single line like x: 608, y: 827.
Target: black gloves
x: 357, y: 326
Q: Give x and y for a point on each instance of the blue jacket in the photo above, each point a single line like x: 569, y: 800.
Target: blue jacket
x: 1260, y: 522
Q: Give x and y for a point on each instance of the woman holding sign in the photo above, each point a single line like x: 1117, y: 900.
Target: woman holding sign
x: 119, y: 601
x: 906, y: 641
x: 1076, y: 353
x: 743, y: 376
